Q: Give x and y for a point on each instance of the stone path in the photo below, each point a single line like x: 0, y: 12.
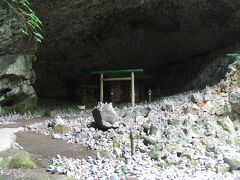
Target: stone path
x: 46, y: 148
x: 7, y: 137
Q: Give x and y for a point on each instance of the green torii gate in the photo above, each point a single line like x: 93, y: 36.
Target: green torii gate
x: 131, y: 78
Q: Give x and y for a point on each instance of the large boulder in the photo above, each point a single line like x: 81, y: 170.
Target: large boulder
x: 16, y: 83
x: 105, y: 116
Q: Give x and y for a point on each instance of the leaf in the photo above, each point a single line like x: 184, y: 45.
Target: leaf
x: 232, y: 54
x: 23, y: 31
x: 38, y: 40
x: 38, y: 35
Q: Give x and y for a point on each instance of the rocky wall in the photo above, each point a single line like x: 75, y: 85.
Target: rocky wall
x: 16, y: 58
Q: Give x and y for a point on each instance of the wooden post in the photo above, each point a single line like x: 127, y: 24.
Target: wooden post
x: 133, y: 89
x: 132, y: 143
x: 101, y: 87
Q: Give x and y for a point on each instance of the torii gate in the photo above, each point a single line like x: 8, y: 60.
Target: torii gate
x: 130, y: 78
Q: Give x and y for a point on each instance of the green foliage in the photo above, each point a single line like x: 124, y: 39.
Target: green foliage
x: 22, y: 161
x: 165, y: 165
x: 237, y: 59
x: 31, y: 23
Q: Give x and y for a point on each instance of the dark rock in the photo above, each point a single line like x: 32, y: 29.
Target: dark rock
x: 104, y: 116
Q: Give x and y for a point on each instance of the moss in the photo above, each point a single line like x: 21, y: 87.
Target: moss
x: 105, y: 154
x: 21, y: 160
x: 166, y: 165
x: 61, y: 129
x: 154, y: 154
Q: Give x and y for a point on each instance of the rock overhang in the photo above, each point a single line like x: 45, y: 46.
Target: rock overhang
x: 109, y: 34
x: 81, y: 36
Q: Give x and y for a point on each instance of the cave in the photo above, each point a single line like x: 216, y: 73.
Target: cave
x: 181, y: 45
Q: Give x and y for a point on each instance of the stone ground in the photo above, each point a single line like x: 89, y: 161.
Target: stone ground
x: 193, y: 135
x: 43, y: 148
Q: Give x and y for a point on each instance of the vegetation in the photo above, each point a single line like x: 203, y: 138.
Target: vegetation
x: 105, y: 153
x: 31, y: 24
x: 21, y: 160
x: 237, y: 59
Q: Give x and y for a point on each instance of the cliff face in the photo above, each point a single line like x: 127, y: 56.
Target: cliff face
x: 103, y: 34
x: 16, y: 57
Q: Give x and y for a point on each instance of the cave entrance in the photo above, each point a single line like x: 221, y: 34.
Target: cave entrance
x: 118, y: 91
x: 179, y: 49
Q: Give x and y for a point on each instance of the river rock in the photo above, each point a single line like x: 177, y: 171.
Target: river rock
x: 167, y: 106
x: 234, y: 100
x: 209, y: 107
x: 154, y: 154
x: 150, y: 140
x: 196, y: 97
x: 234, y: 162
x: 142, y: 111
x: 227, y: 124
x: 211, y: 143
x: 59, y: 121
x: 222, y: 168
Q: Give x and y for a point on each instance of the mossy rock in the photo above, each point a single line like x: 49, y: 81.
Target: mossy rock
x: 22, y: 160
x: 61, y: 129
x: 154, y: 154
x: 105, y: 154
x: 150, y: 140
